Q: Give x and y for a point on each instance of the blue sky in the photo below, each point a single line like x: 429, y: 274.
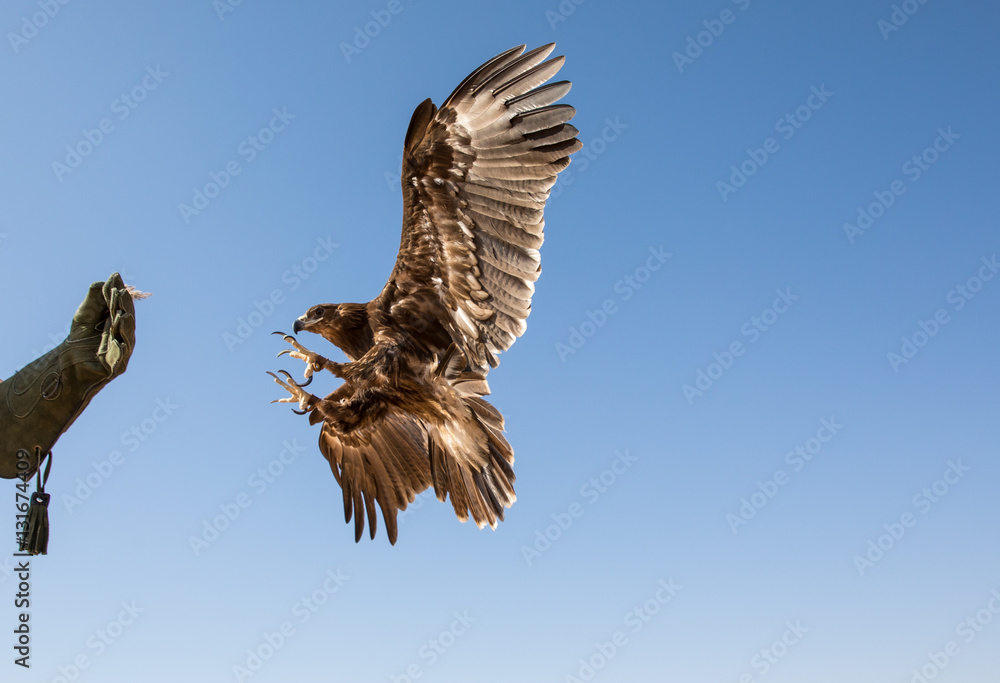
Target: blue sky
x: 777, y: 205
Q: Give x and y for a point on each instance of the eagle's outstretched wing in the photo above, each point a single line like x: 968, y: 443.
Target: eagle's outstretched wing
x: 476, y: 175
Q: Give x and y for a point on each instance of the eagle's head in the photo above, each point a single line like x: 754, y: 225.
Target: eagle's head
x: 318, y: 319
x: 345, y: 325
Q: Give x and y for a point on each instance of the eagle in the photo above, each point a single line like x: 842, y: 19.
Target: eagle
x: 410, y: 413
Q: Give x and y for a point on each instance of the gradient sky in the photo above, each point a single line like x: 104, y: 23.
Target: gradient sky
x: 654, y: 273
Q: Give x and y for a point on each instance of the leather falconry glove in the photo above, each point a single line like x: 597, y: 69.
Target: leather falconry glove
x: 44, y: 398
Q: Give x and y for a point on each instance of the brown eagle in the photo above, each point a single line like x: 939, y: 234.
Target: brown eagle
x: 410, y: 414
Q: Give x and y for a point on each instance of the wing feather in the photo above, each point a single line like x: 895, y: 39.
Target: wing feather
x: 383, y: 465
x: 476, y: 176
x: 390, y: 459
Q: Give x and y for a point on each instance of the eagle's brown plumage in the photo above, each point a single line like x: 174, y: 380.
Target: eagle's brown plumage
x: 410, y: 414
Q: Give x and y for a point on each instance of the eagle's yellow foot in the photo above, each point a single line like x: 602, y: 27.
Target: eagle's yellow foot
x: 305, y: 400
x: 314, y: 362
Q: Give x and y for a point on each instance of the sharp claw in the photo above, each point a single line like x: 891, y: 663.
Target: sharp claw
x: 282, y: 353
x: 283, y: 334
x: 307, y: 382
x: 291, y: 380
x: 290, y: 385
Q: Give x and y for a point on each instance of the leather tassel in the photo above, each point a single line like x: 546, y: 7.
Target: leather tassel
x: 36, y: 527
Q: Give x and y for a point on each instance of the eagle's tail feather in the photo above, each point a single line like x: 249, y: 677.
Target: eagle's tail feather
x: 470, y: 458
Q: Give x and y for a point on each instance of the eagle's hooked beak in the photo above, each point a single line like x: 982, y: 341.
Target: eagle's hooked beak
x: 297, y: 326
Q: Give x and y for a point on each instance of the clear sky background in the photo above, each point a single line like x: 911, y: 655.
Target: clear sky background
x: 799, y: 591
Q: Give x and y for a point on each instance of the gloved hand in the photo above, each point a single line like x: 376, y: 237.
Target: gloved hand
x: 43, y: 399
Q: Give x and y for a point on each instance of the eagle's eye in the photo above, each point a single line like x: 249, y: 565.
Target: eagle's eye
x: 318, y: 312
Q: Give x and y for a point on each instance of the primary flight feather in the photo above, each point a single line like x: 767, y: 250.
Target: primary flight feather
x: 476, y: 175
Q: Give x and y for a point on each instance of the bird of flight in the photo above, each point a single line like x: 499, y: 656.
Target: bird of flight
x: 410, y: 414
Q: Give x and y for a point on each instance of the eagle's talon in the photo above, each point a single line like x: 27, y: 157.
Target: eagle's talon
x: 313, y: 360
x: 305, y: 400
x: 290, y: 379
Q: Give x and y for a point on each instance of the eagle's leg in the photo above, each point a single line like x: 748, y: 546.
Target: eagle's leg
x: 305, y: 400
x: 355, y: 409
x: 314, y: 361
